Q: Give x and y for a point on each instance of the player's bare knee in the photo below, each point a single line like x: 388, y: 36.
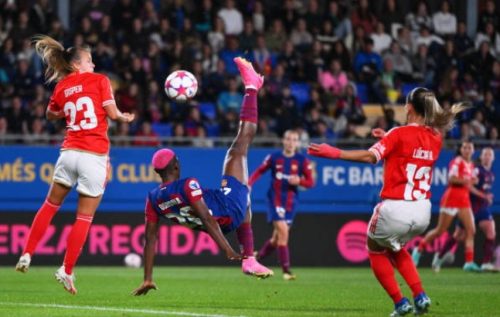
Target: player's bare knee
x: 237, y: 151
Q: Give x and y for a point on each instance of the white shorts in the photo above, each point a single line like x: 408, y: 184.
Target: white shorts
x: 87, y: 169
x: 452, y: 211
x: 395, y: 222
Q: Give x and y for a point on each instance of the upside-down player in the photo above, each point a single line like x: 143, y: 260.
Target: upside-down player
x: 455, y: 203
x: 409, y: 153
x: 290, y: 170
x: 215, y: 211
x: 85, y: 100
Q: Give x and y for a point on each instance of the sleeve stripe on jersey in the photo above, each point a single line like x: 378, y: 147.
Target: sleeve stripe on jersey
x: 108, y: 102
x: 376, y: 153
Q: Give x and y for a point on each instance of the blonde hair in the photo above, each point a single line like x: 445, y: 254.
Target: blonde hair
x: 425, y: 104
x: 58, y: 60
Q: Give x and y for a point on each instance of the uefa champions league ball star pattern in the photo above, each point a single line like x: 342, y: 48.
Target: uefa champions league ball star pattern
x: 181, y: 86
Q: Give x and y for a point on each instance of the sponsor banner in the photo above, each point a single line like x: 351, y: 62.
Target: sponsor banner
x: 315, y: 240
x: 26, y: 172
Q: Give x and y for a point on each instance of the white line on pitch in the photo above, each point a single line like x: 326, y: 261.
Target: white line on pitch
x: 121, y: 310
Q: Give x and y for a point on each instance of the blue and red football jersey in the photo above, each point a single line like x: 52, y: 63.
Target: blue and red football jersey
x: 173, y: 201
x: 485, y: 183
x: 281, y: 193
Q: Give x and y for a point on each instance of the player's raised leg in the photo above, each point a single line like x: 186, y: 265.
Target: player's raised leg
x: 235, y: 163
x: 41, y: 222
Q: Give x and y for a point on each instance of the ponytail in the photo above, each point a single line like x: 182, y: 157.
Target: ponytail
x: 425, y: 104
x: 57, y: 59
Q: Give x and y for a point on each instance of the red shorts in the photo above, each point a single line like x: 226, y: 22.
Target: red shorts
x: 455, y: 197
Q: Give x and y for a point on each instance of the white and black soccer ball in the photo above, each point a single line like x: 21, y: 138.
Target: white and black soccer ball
x: 181, y: 85
x: 133, y: 260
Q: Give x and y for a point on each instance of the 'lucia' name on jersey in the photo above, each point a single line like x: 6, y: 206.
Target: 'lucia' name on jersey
x: 423, y: 154
x: 72, y: 90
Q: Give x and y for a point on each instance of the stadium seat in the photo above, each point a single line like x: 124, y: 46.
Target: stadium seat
x: 406, y: 88
x: 301, y: 91
x: 362, y: 91
x: 212, y: 129
x: 162, y: 129
x: 208, y: 110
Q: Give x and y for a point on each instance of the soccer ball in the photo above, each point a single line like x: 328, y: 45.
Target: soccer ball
x: 181, y: 85
x: 133, y: 260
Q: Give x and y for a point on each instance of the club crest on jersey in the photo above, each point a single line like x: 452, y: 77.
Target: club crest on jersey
x: 193, y: 185
x: 294, y: 167
x: 223, y: 183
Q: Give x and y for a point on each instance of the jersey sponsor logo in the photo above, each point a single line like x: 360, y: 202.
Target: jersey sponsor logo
x: 170, y: 203
x: 73, y: 90
x: 423, y: 154
x: 193, y: 185
x: 280, y: 176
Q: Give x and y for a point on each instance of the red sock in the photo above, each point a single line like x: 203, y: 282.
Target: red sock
x: 384, y: 272
x: 266, y: 249
x: 76, y: 240
x: 245, y: 238
x: 489, y: 249
x: 248, y: 110
x: 408, y: 271
x: 421, y: 246
x: 469, y: 254
x: 39, y: 226
x: 449, y: 244
x: 284, y: 257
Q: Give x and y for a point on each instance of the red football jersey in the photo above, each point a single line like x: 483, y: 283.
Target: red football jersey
x: 83, y: 97
x: 457, y: 196
x: 409, y: 153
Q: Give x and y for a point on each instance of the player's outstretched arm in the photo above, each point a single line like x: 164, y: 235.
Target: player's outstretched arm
x: 213, y: 229
x: 116, y: 115
x: 149, y: 256
x: 327, y: 151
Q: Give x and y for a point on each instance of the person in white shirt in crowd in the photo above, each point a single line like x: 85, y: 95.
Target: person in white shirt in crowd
x: 381, y: 40
x: 415, y: 20
x: 232, y: 17
x: 426, y: 37
x: 444, y: 22
x: 400, y: 60
x: 491, y: 36
x: 258, y: 18
x: 300, y: 37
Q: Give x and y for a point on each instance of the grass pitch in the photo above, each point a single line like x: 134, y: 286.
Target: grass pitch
x: 226, y: 292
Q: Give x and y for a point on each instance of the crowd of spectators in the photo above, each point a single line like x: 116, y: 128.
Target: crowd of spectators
x: 323, y: 60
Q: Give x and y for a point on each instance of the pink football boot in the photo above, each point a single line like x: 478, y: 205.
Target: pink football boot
x: 251, y: 79
x: 250, y: 266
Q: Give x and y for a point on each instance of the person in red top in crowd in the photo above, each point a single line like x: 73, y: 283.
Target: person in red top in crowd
x: 409, y: 153
x: 289, y: 170
x: 455, y: 203
x: 85, y: 100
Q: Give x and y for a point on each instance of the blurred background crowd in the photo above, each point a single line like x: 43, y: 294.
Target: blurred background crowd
x: 324, y: 62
